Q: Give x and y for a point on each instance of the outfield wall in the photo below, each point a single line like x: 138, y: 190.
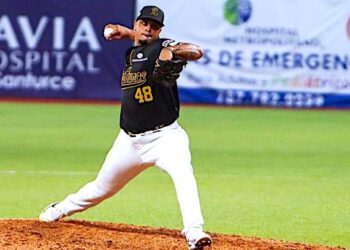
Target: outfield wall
x: 271, y: 53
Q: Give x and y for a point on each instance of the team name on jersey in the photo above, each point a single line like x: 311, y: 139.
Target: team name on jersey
x: 132, y: 79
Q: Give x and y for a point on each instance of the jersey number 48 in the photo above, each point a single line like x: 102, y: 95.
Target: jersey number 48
x: 144, y: 94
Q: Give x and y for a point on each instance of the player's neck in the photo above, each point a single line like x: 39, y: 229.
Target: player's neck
x: 141, y: 43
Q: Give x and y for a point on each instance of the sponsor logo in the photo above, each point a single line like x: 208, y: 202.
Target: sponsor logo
x: 29, y: 61
x: 139, y: 58
x: 348, y: 28
x: 237, y: 12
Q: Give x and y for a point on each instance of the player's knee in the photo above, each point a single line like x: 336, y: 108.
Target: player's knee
x: 180, y: 171
x: 103, y: 190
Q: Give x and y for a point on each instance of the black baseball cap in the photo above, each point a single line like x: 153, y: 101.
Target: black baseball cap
x: 153, y: 13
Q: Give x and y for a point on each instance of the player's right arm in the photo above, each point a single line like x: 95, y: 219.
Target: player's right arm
x: 118, y: 32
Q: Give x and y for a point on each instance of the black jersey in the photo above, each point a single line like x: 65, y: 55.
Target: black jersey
x: 146, y: 105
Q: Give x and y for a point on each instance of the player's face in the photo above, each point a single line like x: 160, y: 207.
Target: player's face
x: 147, y: 30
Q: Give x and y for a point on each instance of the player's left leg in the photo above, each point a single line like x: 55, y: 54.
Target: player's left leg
x: 175, y: 158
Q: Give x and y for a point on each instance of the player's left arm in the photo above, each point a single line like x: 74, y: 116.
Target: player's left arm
x: 184, y: 51
x: 172, y: 60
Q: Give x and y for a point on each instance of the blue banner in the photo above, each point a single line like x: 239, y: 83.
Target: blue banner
x: 264, y: 53
x: 56, y: 49
x: 280, y: 99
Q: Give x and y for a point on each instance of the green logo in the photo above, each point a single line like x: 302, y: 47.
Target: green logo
x: 237, y: 11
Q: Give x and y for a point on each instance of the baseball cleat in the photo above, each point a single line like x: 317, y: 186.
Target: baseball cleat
x: 197, y: 240
x: 51, y: 213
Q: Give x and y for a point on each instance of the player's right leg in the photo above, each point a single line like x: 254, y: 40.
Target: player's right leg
x: 121, y: 165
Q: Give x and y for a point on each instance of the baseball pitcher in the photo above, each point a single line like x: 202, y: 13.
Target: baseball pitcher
x: 150, y: 134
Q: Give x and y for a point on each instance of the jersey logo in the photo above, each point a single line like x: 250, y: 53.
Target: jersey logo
x: 154, y: 11
x: 132, y: 79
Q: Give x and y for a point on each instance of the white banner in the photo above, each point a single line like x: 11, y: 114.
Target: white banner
x: 271, y: 45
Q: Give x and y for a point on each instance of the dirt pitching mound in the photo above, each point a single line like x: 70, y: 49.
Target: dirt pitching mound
x: 83, y: 235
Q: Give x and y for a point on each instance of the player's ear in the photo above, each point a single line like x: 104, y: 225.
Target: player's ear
x: 134, y: 28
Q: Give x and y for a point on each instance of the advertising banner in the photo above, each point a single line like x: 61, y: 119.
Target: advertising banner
x: 55, y: 49
x: 273, y: 53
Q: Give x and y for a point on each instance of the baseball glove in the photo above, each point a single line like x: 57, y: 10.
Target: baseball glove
x: 166, y: 72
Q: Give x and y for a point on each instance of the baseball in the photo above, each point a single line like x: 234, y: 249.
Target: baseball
x: 107, y: 32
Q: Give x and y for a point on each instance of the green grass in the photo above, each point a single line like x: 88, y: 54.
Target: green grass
x: 278, y: 174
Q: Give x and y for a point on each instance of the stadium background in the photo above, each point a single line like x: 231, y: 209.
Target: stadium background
x: 275, y: 53
x: 275, y: 173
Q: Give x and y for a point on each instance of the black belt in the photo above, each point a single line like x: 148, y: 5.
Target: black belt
x: 142, y: 134
x: 156, y: 129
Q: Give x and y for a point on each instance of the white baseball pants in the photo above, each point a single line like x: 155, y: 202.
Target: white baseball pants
x: 168, y: 149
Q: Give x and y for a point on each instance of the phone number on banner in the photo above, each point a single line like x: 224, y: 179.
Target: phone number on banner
x: 269, y: 98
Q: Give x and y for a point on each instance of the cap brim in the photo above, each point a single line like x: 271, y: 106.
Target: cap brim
x: 151, y: 18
